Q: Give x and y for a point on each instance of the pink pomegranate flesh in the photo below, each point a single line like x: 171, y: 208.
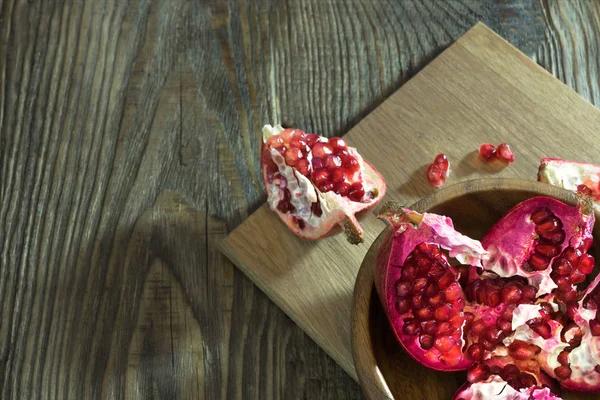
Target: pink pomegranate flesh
x: 514, y: 300
x: 314, y: 183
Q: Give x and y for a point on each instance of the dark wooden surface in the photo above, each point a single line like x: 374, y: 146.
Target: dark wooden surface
x: 129, y: 141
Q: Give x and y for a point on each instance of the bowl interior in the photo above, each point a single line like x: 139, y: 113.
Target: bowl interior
x: 384, y: 369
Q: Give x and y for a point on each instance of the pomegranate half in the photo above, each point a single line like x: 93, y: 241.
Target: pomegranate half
x: 314, y: 183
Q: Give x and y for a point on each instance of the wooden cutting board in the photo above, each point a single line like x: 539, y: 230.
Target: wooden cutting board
x: 481, y: 89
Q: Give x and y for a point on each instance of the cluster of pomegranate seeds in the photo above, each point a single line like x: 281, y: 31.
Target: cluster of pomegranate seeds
x: 503, y: 152
x: 431, y: 302
x: 327, y: 162
x: 551, y: 236
x: 510, y: 373
x: 438, y: 171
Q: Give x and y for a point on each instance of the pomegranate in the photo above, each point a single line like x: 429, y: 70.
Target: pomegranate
x: 504, y: 152
x: 509, y: 308
x: 572, y: 175
x: 314, y: 183
x: 438, y: 170
x: 545, y: 241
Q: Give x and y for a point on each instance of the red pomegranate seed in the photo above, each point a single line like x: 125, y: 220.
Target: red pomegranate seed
x: 409, y: 272
x: 577, y: 277
x: 453, y: 356
x: 322, y: 150
x: 429, y: 327
x: 555, y: 237
x: 402, y: 306
x: 543, y: 330
x: 548, y: 250
x: 338, y: 143
x: 437, y: 300
x: 476, y: 352
x: 489, y: 346
x: 528, y: 292
x: 311, y: 139
x: 317, y: 163
x: 584, y: 189
x: 432, y: 290
x: 303, y: 167
x: 337, y: 175
x: 446, y: 280
x: 443, y: 312
x: 504, y: 152
x: 527, y: 380
x: 356, y: 192
x: 316, y: 209
x: 326, y: 187
x: 572, y: 255
x: 350, y: 163
x: 435, y: 175
x: 563, y: 282
x: 566, y: 296
x: 441, y: 161
x: 510, y: 371
x: 426, y: 342
x: 492, y: 296
x: 320, y: 176
x: 478, y: 372
x: 562, y: 267
x: 411, y: 327
x: 563, y: 357
x: 520, y: 350
x: 504, y: 326
x: 418, y: 301
x: 549, y: 225
x: 425, y: 313
x: 541, y: 214
x: 595, y: 327
x: 341, y: 188
x: 453, y: 292
x: 487, y: 151
x: 563, y: 372
x: 511, y: 294
x: 419, y: 285
x: 444, y: 343
x: 586, y: 263
x: 332, y: 162
x: 299, y: 142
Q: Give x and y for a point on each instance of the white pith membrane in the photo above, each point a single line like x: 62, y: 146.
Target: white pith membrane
x: 303, y: 192
x: 496, y: 388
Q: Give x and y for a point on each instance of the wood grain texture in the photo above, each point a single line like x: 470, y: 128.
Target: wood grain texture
x: 129, y: 142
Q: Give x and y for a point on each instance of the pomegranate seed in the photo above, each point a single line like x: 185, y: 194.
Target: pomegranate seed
x: 549, y: 225
x: 442, y: 162
x: 326, y: 187
x: 476, y: 352
x: 435, y: 175
x: 495, y: 370
x: 520, y: 350
x: 560, y: 317
x: 426, y: 342
x: 563, y: 372
x: 562, y: 267
x: 458, y: 304
x: 457, y: 321
x: 543, y: 330
x: 555, y: 237
x: 505, y: 153
x: 489, y: 346
x: 419, y: 285
x: 429, y: 327
x: 566, y: 296
x: 595, y: 327
x: 411, y: 327
x: 322, y: 150
x: 283, y: 206
x: 529, y: 292
x: 492, y: 296
x: 546, y: 311
x: 510, y: 371
x: 444, y: 343
x: 409, y: 273
x: 303, y: 167
x: 444, y: 328
x: 341, y: 188
x: 585, y: 244
x: 338, y: 143
x: 432, y: 290
x: 316, y: 209
x: 547, y: 250
x: 478, y: 372
x: 453, y: 356
x: 356, y: 192
x: 402, y: 288
x: 507, y: 314
x: 299, y: 142
x: 584, y: 190
x: 511, y: 294
x: 311, y: 139
x: 527, y: 380
x: 446, y: 280
x: 437, y: 299
x: 504, y: 326
x: 317, y: 163
x: 541, y: 214
x: 332, y: 162
x: 563, y: 282
x: 453, y: 291
x: 478, y: 328
x: 418, y: 301
x: 402, y: 306
x: 320, y: 176
x: 443, y: 313
x: 563, y: 357
x: 577, y: 277
x: 425, y: 313
x: 586, y: 263
x: 487, y: 151
x: 337, y: 175
x: 350, y: 164
x: 572, y: 255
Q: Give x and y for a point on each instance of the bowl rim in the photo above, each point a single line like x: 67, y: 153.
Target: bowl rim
x: 370, y: 377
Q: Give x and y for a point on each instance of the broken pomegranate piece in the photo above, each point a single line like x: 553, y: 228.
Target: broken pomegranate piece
x: 314, y: 183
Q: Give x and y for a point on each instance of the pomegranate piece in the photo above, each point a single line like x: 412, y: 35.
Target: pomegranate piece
x: 487, y: 151
x: 315, y: 184
x: 541, y: 239
x: 438, y: 171
x: 504, y: 152
x: 572, y: 175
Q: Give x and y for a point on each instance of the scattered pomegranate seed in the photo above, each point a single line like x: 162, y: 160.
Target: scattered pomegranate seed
x: 505, y: 153
x: 438, y: 171
x: 487, y: 151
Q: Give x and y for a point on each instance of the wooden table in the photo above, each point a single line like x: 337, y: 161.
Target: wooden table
x: 129, y: 142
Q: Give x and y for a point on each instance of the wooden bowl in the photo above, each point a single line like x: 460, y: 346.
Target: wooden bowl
x: 385, y: 370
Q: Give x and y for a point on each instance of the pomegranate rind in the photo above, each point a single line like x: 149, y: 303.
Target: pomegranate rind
x: 570, y: 174
x: 336, y: 210
x: 510, y: 241
x: 496, y: 388
x: 410, y: 229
